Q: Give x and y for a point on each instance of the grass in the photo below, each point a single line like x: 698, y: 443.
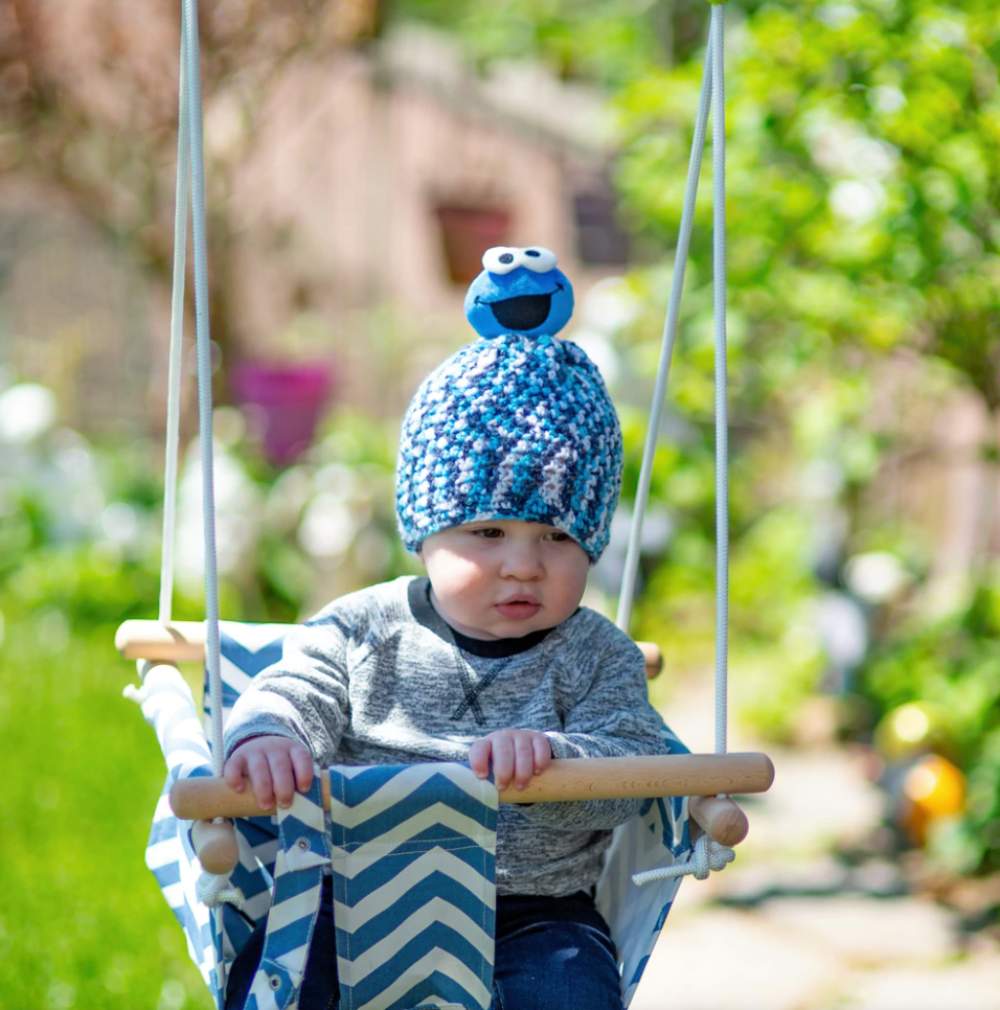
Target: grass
x: 82, y: 924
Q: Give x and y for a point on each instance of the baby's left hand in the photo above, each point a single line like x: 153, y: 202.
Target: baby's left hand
x: 517, y: 755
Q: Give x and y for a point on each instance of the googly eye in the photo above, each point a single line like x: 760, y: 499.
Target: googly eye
x: 538, y: 259
x: 501, y: 259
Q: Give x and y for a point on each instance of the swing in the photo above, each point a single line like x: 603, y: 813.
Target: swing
x: 411, y: 848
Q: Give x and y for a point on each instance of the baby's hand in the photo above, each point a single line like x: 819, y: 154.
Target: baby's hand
x: 275, y: 765
x: 517, y: 755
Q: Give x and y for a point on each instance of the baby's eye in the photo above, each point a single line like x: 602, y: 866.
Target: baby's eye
x: 488, y: 532
x: 557, y: 536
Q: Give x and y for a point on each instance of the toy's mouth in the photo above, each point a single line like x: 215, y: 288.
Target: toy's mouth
x: 524, y: 312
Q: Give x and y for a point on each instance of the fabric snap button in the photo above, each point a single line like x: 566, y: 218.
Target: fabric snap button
x: 303, y: 844
x: 274, y: 982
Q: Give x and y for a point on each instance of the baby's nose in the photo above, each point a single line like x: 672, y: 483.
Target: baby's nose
x: 521, y: 561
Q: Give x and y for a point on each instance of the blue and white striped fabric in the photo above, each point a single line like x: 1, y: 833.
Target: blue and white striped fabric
x: 414, y: 886
x: 656, y: 837
x: 168, y: 706
x: 298, y: 882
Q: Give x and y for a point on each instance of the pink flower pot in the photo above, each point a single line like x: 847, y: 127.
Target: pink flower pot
x: 283, y: 404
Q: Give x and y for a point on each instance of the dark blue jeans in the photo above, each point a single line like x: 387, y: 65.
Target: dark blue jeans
x: 551, y: 954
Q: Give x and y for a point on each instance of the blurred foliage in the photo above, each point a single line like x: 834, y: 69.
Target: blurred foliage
x: 935, y: 688
x: 863, y: 181
x: 605, y: 42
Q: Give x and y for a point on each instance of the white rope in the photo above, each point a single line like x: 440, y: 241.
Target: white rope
x: 170, y: 454
x: 214, y: 891
x: 717, y: 54
x: 181, y: 210
x: 192, y: 81
x: 707, y: 854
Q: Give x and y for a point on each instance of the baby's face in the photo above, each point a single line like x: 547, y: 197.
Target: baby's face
x: 504, y: 578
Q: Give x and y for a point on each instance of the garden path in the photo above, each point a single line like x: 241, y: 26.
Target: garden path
x: 793, y: 925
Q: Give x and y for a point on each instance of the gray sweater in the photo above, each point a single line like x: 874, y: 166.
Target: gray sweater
x: 377, y: 677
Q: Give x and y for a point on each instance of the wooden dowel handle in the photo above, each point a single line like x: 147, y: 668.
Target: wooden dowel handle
x: 184, y: 641
x: 565, y: 780
x: 173, y: 642
x: 720, y: 818
x: 215, y: 843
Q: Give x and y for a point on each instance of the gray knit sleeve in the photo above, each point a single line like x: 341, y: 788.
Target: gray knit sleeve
x: 610, y: 717
x: 303, y: 696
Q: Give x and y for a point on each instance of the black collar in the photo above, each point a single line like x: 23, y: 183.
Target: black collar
x: 419, y: 598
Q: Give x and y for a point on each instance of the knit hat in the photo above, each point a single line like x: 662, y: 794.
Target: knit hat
x: 513, y: 426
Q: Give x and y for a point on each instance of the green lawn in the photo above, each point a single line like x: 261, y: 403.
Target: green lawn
x: 82, y: 923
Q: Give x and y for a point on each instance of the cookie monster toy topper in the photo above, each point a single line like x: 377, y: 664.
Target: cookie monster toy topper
x: 519, y: 291
x: 518, y: 424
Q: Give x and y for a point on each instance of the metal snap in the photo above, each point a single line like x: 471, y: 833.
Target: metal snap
x: 274, y: 982
x: 302, y: 844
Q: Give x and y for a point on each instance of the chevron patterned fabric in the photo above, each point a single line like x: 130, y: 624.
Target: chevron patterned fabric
x: 298, y: 880
x: 388, y: 828
x: 414, y: 860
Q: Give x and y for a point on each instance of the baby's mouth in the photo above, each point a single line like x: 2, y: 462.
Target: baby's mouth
x: 519, y: 608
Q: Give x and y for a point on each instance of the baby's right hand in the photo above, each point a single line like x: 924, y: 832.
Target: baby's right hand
x: 275, y: 765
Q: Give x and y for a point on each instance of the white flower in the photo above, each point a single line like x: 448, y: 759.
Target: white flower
x: 27, y: 411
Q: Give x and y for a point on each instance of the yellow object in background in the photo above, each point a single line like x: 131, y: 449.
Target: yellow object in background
x: 907, y: 730
x: 933, y: 789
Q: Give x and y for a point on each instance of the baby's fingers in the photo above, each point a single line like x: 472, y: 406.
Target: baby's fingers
x: 234, y: 772
x: 259, y: 773
x: 524, y: 760
x: 282, y: 777
x: 302, y: 765
x: 542, y: 749
x: 504, y: 761
x: 479, y: 757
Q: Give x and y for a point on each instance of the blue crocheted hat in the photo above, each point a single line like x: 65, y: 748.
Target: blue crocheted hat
x: 517, y: 425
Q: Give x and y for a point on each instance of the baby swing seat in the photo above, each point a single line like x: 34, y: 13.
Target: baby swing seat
x: 412, y: 852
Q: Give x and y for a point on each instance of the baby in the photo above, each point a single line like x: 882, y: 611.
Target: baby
x: 508, y: 474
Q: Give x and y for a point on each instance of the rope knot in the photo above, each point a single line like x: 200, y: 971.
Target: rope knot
x: 705, y: 857
x: 214, y: 890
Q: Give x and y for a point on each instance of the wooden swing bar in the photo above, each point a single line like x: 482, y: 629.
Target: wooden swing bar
x: 206, y: 800
x: 563, y: 781
x: 700, y: 776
